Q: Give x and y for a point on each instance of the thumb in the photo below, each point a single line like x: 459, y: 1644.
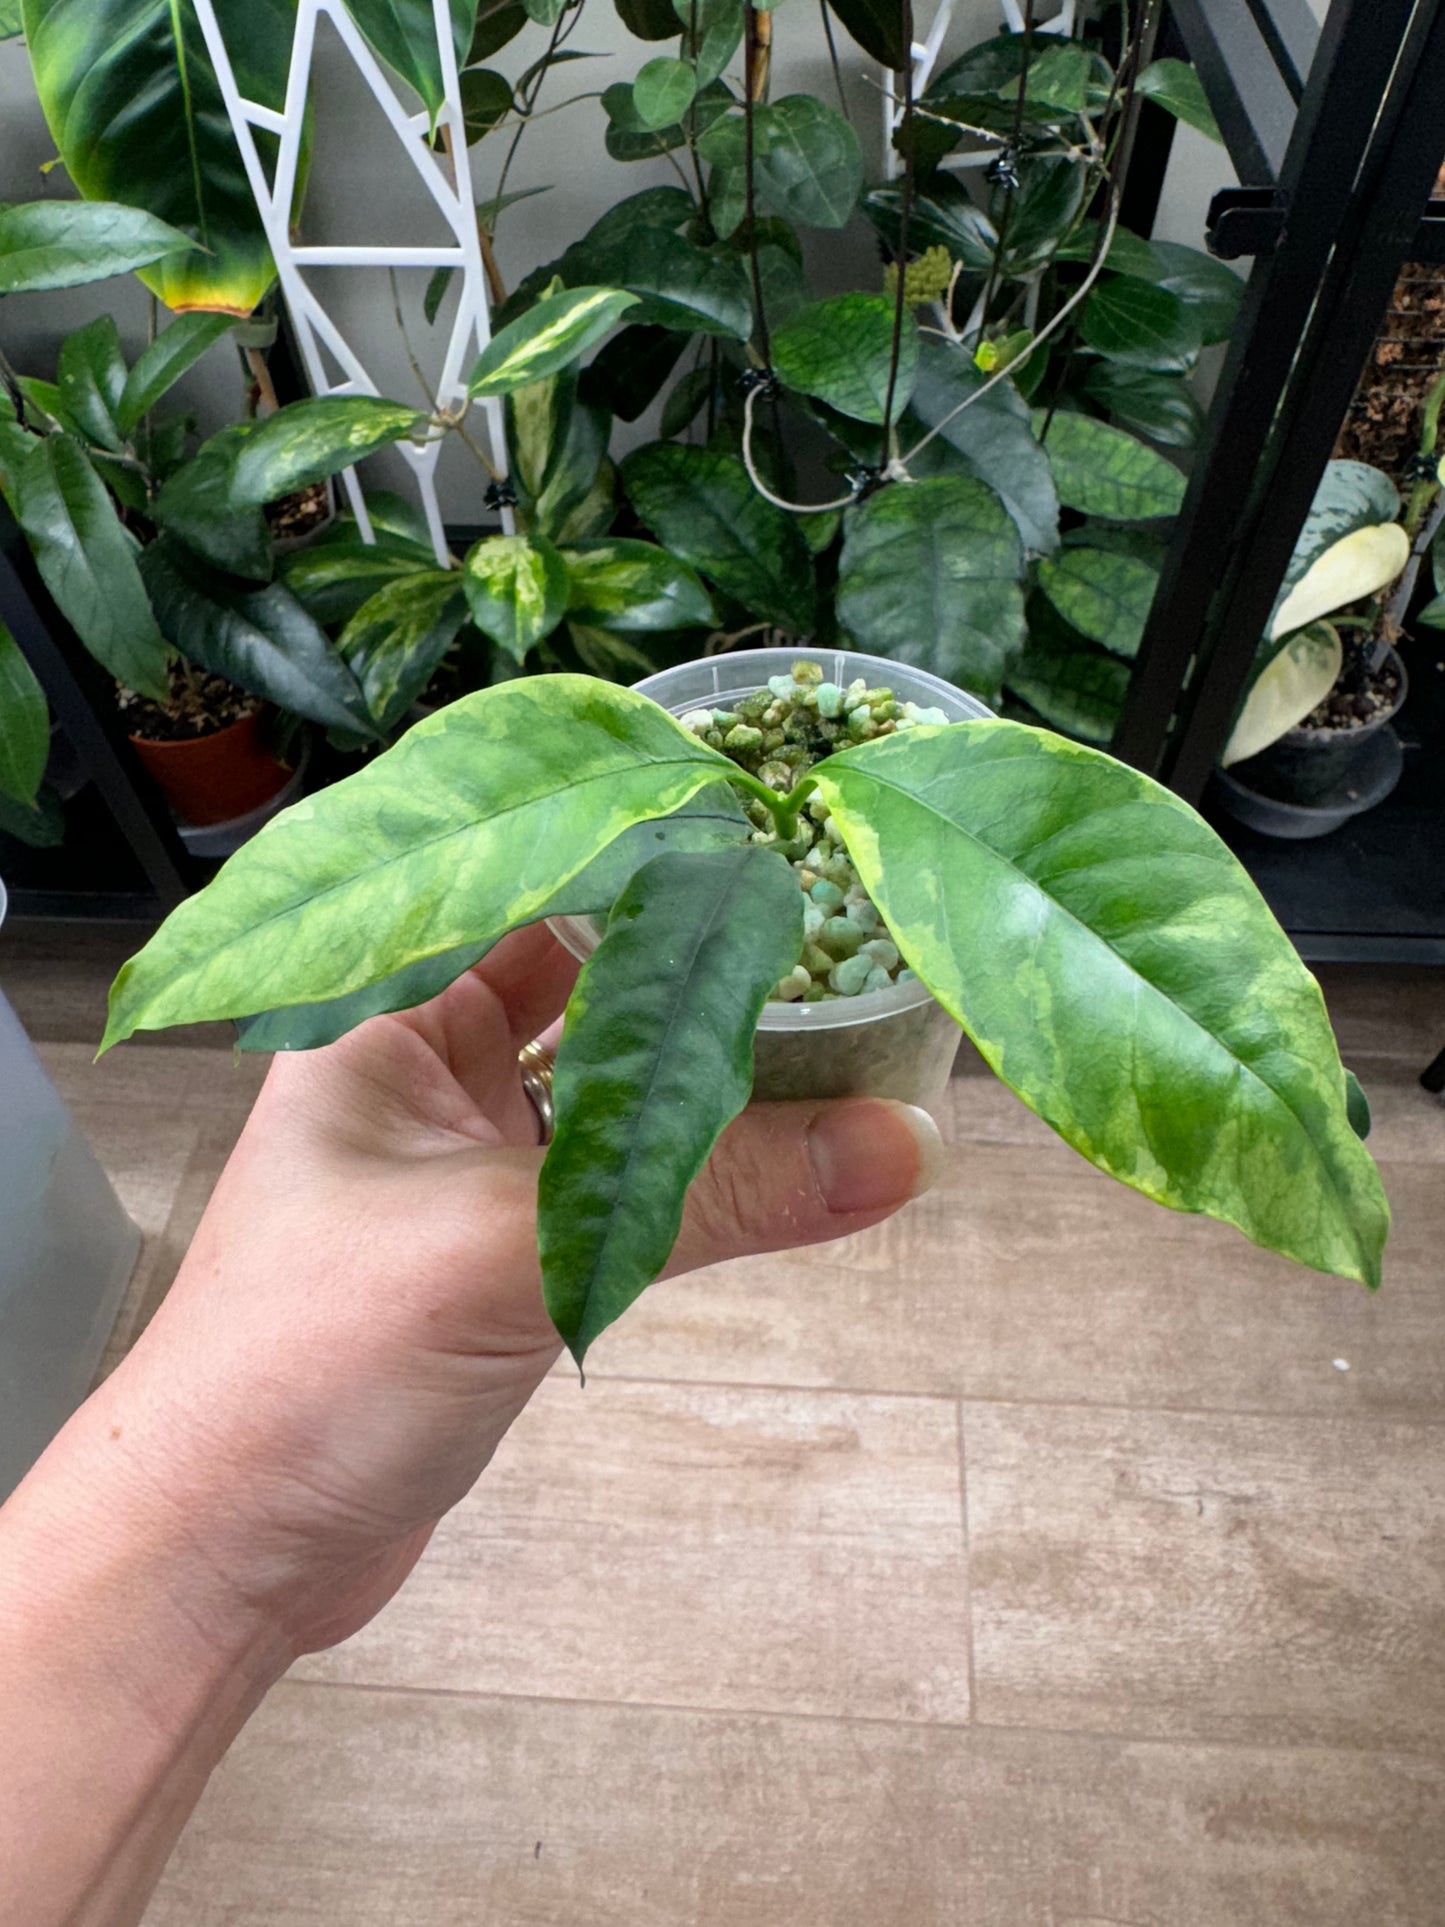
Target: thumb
x: 798, y: 1174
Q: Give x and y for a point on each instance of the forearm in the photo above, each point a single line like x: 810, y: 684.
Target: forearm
x: 125, y: 1672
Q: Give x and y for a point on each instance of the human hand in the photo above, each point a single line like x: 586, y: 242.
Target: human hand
x: 359, y: 1318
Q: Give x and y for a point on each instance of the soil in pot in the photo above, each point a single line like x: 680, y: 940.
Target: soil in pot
x: 295, y: 517
x: 206, y: 747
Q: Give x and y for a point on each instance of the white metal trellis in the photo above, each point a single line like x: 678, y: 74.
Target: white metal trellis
x: 448, y: 185
x: 924, y: 55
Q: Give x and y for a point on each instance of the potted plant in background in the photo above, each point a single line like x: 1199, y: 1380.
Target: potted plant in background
x: 1313, y: 744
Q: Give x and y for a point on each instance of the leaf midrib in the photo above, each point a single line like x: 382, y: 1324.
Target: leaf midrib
x: 1137, y: 976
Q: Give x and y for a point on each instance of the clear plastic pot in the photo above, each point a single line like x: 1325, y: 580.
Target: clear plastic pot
x: 886, y: 1043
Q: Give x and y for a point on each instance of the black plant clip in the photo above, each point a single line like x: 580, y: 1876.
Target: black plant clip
x: 1422, y: 468
x: 865, y: 479
x: 1003, y: 169
x: 761, y: 382
x: 501, y: 494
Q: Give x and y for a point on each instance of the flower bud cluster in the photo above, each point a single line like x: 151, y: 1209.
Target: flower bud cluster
x: 777, y: 735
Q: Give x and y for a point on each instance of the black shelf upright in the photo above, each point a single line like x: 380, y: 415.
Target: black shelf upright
x: 1336, y: 135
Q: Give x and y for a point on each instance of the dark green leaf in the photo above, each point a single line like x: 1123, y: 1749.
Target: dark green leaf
x: 648, y: 19
x: 1174, y: 86
x: 403, y: 34
x: 90, y: 374
x: 15, y: 442
x: 685, y: 400
x: 44, y: 407
x: 160, y: 367
x: 332, y: 576
x: 1065, y: 680
x: 261, y: 639
x: 877, y: 26
x: 498, y: 22
x: 1104, y: 472
x: 516, y: 587
x: 393, y: 643
x: 992, y: 439
x: 807, y: 162
x: 24, y: 725
x: 1128, y: 253
x: 553, y: 334
x: 486, y: 100
x: 1044, y: 207
x: 840, y: 351
x: 663, y: 91
x: 700, y: 504
x: 1210, y: 290
x: 634, y: 587
x: 135, y: 109
x: 462, y: 831
x: 943, y: 217
x: 1161, y: 407
x: 41, y: 824
x: 687, y: 287
x: 88, y: 562
x: 627, y: 372
x: 1117, y: 968
x: 1357, y: 1105
x: 929, y: 576
x: 309, y: 440
x: 655, y: 1061
x: 59, y: 244
x: 1140, y: 325
x: 1106, y: 597
x: 196, y: 504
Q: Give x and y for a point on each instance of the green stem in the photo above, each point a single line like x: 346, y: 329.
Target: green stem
x: 783, y: 809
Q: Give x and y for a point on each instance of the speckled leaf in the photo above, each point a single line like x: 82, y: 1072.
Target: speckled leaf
x: 1104, y: 472
x: 807, y: 162
x: 1105, y: 596
x: 309, y: 440
x: 1073, y: 686
x: 397, y: 637
x: 553, y: 333
x: 700, y: 504
x: 88, y: 562
x: 839, y: 351
x: 1140, y: 325
x: 656, y: 1059
x: 462, y: 831
x: 516, y: 588
x: 634, y: 587
x: 24, y: 725
x: 930, y: 576
x: 711, y: 821
x: 1117, y: 968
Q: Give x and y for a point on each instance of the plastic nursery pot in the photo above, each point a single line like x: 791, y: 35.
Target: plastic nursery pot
x: 886, y: 1043
x: 1313, y: 780
x: 210, y: 779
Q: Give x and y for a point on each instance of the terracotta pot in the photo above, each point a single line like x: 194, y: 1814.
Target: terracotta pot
x: 210, y: 779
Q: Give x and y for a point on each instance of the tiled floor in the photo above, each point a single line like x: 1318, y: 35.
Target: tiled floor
x: 1030, y: 1562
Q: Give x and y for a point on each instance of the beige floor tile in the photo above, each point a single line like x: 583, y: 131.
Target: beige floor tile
x: 343, y: 1808
x: 1029, y: 1275
x: 57, y: 976
x: 697, y: 1546
x: 1216, y: 1577
x: 142, y: 1079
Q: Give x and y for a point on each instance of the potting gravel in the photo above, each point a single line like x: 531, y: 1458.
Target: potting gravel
x: 777, y: 735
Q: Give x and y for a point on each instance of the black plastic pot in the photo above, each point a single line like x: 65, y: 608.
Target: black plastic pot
x: 1313, y: 780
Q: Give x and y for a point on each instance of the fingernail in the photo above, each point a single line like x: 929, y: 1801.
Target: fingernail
x: 871, y: 1153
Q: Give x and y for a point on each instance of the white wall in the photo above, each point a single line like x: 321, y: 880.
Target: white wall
x: 362, y: 188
